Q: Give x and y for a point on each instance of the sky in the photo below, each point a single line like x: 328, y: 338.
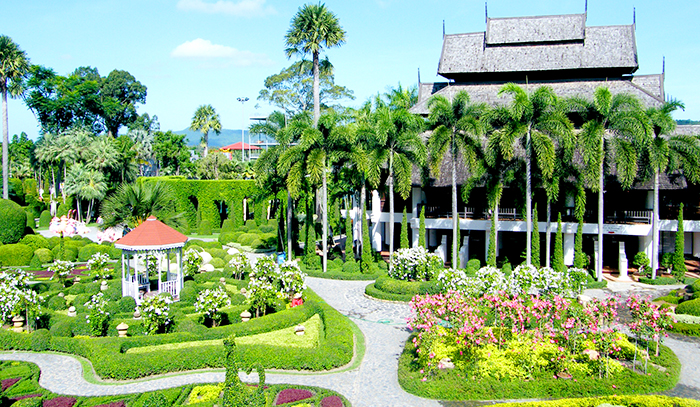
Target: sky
x: 193, y: 52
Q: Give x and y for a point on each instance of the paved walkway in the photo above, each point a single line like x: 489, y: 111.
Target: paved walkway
x: 373, y: 383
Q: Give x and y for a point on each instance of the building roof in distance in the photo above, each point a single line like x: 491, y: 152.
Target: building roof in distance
x: 240, y: 146
x: 151, y: 235
x: 540, y: 29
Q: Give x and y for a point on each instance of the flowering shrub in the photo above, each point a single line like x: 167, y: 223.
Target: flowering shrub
x: 513, y: 336
x: 98, y: 265
x: 649, y: 320
x: 292, y: 278
x: 151, y: 263
x: 239, y: 265
x: 210, y: 302
x: 155, y: 311
x: 452, y: 280
x: 414, y: 264
x: 270, y: 281
x: 16, y: 296
x: 191, y: 262
x: 61, y: 269
x: 97, y: 317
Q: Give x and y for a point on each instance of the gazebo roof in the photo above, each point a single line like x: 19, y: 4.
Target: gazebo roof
x: 240, y: 146
x: 151, y: 235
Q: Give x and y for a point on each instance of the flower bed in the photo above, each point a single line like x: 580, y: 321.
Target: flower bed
x: 502, y: 347
x: 292, y: 395
x: 7, y: 383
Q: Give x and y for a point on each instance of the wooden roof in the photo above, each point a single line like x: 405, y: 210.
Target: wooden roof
x: 151, y: 235
x: 239, y: 146
x: 541, y: 29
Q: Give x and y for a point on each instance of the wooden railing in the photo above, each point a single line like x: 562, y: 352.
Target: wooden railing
x: 169, y: 287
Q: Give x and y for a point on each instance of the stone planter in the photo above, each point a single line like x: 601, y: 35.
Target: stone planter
x: 137, y: 314
x: 104, y: 286
x: 71, y: 312
x: 245, y: 316
x: 121, y: 329
x: 299, y: 330
x: 18, y: 323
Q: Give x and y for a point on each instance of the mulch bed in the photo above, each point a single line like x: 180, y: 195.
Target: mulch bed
x: 7, y: 383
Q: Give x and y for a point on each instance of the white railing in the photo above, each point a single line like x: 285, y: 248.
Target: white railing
x: 130, y: 289
x: 169, y: 287
x: 638, y: 216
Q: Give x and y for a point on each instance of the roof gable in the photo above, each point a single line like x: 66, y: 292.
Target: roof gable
x: 151, y: 234
x: 520, y: 30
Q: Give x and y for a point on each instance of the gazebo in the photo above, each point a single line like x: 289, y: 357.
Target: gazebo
x: 151, y: 237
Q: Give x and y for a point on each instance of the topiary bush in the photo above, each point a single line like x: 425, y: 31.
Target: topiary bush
x: 691, y: 307
x: 57, y: 303
x: 62, y: 329
x: 35, y: 241
x: 217, y: 253
x: 40, y: 340
x: 70, y: 252
x: 45, y: 219
x: 247, y: 239
x: 44, y: 255
x: 13, y: 220
x: 126, y: 304
x: 204, y: 227
x: 227, y: 226
x: 217, y: 263
x: 86, y: 252
x: 15, y: 255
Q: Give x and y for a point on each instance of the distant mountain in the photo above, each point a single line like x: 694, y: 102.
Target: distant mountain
x: 686, y: 122
x: 227, y: 136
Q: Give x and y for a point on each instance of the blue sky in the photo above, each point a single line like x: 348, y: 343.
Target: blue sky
x: 193, y: 52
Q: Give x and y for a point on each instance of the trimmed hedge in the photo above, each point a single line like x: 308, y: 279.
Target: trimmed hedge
x: 44, y: 255
x: 658, y: 281
x: 110, y: 360
x: 691, y: 307
x: 338, y: 275
x: 13, y: 220
x: 387, y: 288
x: 45, y: 219
x: 15, y: 255
x: 686, y: 329
x: 630, y: 401
x: 87, y: 251
x: 35, y: 241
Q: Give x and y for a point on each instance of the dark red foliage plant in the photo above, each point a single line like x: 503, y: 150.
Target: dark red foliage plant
x: 120, y: 403
x: 292, y: 395
x: 332, y: 401
x: 60, y: 402
x: 7, y: 383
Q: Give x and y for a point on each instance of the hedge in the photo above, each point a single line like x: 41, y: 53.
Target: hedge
x: 13, y: 220
x: 658, y: 281
x: 630, y: 401
x: 45, y: 219
x: 44, y: 255
x: 339, y: 275
x: 87, y: 251
x: 387, y: 288
x: 15, y: 255
x: 691, y: 307
x: 110, y: 360
x: 35, y: 241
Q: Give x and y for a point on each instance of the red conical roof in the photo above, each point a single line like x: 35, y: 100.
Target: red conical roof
x: 151, y: 235
x: 239, y: 146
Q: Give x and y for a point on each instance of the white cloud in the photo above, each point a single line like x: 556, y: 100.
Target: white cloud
x: 242, y: 8
x: 200, y: 49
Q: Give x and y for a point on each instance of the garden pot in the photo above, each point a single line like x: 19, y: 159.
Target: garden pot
x: 245, y: 316
x: 299, y: 329
x: 76, y: 279
x: 137, y: 314
x: 104, y: 286
x: 18, y: 322
x: 121, y: 329
x: 71, y: 311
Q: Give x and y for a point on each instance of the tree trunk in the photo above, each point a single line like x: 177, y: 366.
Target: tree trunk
x: 363, y: 196
x: 528, y: 199
x: 289, y: 226
x: 495, y: 232
x: 205, y: 136
x: 391, y: 206
x: 317, y: 92
x: 655, y: 228
x: 5, y: 145
x: 324, y: 205
x: 548, y: 236
x: 455, y: 214
x: 599, y: 262
x: 63, y: 181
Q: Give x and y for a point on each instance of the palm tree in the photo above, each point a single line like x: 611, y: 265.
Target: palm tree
x: 45, y: 153
x: 85, y: 183
x: 620, y: 116
x: 102, y: 154
x: 666, y: 152
x: 457, y: 128
x: 312, y: 158
x: 206, y: 119
x: 313, y: 28
x: 534, y: 119
x: 398, y: 146
x: 14, y: 66
x: 132, y: 204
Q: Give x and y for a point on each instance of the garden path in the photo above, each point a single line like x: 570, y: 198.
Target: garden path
x: 373, y: 383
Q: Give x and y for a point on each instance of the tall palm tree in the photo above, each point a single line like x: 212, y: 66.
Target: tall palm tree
x: 666, y: 152
x: 317, y: 150
x: 206, y: 119
x: 14, y: 66
x: 457, y: 128
x: 398, y: 146
x: 102, y: 154
x: 312, y: 29
x: 534, y: 119
x: 132, y: 204
x: 619, y: 122
x: 45, y: 153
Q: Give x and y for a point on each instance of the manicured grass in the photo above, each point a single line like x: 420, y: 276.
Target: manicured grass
x: 455, y: 385
x: 636, y: 401
x: 283, y: 338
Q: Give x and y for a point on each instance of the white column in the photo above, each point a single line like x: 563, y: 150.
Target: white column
x: 487, y: 241
x: 645, y: 245
x: 622, y: 262
x: 696, y: 244
x: 569, y: 248
x: 376, y: 231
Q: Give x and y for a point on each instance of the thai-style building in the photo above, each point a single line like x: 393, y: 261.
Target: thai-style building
x: 573, y: 59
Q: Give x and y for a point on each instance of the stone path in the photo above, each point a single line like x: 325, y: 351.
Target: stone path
x: 373, y: 383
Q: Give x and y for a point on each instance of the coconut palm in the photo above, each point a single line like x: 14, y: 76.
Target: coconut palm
x: 132, y: 204
x: 102, y: 154
x: 666, y: 152
x: 534, y: 119
x: 457, y: 128
x: 14, y: 66
x: 309, y: 162
x: 45, y: 153
x: 398, y: 146
x: 85, y: 183
x: 620, y: 123
x: 206, y: 119
x: 312, y: 29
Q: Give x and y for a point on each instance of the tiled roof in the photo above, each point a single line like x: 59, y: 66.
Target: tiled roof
x: 151, y: 234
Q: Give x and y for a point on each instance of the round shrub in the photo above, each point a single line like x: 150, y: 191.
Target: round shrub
x: 250, y: 224
x: 227, y: 226
x: 45, y: 219
x: 218, y: 252
x: 62, y: 328
x: 40, y: 340
x: 53, y: 241
x: 267, y: 229
x: 57, y: 303
x: 246, y: 239
x: 15, y: 255
x: 35, y: 241
x: 217, y: 263
x: 258, y: 244
x: 44, y: 255
x: 226, y: 238
x: 86, y: 252
x: 126, y: 304
x: 204, y: 227
x: 13, y: 220
x: 351, y: 267
x: 691, y: 307
x: 35, y: 263
x: 70, y: 253
x: 79, y: 302
x: 188, y: 294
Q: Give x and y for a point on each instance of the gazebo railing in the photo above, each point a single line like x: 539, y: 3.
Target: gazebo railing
x: 169, y: 287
